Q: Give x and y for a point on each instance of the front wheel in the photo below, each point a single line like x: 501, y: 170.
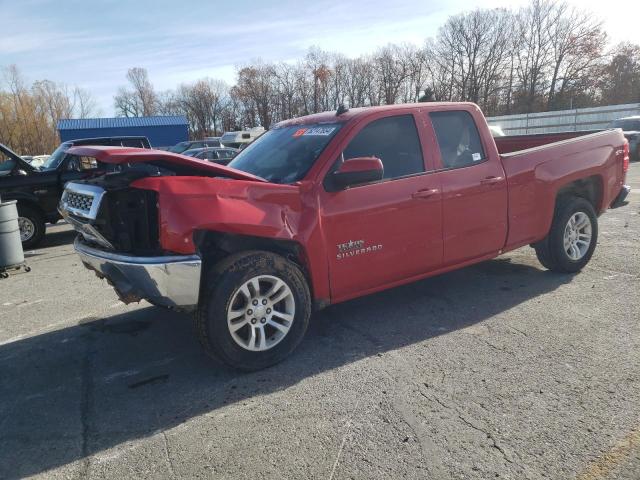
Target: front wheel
x: 573, y: 236
x: 32, y: 226
x: 254, y: 310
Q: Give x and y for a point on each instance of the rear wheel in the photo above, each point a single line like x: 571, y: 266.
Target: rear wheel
x: 573, y: 236
x: 254, y: 310
x: 32, y: 226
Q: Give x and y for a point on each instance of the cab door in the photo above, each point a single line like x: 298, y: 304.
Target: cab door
x: 474, y: 189
x: 388, y: 231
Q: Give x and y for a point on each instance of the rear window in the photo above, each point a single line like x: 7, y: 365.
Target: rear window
x: 133, y: 142
x: 458, y: 138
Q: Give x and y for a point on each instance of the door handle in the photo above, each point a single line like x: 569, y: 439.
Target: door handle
x: 490, y: 180
x: 426, y: 193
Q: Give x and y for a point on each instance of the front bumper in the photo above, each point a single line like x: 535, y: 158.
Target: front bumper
x: 168, y: 281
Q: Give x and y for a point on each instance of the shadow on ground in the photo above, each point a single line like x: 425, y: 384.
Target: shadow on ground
x: 71, y: 393
x: 52, y: 239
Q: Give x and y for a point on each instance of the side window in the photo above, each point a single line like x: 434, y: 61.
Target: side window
x: 7, y: 164
x: 458, y: 138
x: 211, y: 155
x: 395, y: 141
x: 73, y: 163
x: 88, y: 163
x: 80, y: 164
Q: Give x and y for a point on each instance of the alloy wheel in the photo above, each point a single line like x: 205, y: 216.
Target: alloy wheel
x: 261, y: 313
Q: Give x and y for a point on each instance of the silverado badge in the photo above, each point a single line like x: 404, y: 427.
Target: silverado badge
x: 355, y: 247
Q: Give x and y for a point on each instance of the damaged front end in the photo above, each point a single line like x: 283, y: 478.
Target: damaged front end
x: 136, y: 223
x: 118, y: 240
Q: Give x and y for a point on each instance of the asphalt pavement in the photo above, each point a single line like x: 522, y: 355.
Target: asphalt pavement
x: 499, y: 370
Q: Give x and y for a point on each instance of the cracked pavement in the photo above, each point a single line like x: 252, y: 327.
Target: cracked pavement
x: 499, y: 370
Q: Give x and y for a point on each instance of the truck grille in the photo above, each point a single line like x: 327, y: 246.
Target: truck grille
x: 124, y: 219
x: 79, y: 201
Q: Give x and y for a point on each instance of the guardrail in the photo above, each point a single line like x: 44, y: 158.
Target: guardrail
x: 595, y: 118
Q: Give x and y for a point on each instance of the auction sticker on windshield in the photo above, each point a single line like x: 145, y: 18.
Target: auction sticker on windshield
x: 320, y: 131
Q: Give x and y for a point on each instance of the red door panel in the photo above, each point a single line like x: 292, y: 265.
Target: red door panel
x: 474, y: 209
x: 379, y: 233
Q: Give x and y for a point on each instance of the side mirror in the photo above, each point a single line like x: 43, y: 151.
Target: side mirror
x: 22, y: 173
x: 356, y: 171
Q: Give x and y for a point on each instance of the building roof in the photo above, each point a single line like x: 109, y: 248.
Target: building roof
x: 120, y: 122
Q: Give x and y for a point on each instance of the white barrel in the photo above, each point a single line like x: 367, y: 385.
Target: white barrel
x: 10, y: 245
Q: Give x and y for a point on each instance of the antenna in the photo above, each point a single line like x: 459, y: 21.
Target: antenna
x: 341, y: 109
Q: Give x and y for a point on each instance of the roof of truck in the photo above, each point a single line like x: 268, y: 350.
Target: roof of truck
x: 332, y: 117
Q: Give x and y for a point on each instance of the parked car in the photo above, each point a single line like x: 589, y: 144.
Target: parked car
x: 326, y: 208
x: 631, y: 129
x: 241, y: 138
x: 218, y: 155
x: 38, y: 190
x: 184, y: 146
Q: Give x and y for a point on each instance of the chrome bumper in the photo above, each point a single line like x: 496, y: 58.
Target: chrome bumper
x: 169, y: 281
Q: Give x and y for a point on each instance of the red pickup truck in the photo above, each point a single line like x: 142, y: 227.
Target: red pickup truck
x: 332, y: 206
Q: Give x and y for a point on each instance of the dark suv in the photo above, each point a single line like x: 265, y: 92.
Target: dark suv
x: 38, y: 190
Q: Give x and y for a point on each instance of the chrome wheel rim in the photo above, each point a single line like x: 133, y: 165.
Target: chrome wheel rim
x: 261, y: 313
x: 27, y: 228
x: 577, y: 236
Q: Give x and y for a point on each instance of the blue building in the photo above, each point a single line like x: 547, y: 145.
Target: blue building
x: 161, y: 131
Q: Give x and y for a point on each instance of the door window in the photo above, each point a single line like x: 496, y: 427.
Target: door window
x: 7, y: 164
x: 458, y: 139
x: 80, y: 164
x: 395, y: 141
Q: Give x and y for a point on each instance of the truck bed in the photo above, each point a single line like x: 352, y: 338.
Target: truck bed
x: 514, y: 143
x: 537, y: 173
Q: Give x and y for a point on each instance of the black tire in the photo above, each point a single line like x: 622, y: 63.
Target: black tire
x: 37, y: 221
x: 551, y: 252
x: 219, y: 288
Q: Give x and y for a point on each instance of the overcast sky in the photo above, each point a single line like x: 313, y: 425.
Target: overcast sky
x: 92, y: 43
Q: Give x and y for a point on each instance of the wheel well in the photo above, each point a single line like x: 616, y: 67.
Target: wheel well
x: 214, y: 246
x: 30, y: 204
x: 589, y: 188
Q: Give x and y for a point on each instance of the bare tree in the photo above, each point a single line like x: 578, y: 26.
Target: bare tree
x: 84, y: 105
x: 139, y: 101
x: 577, y: 43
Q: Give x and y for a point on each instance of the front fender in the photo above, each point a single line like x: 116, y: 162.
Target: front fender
x: 188, y: 204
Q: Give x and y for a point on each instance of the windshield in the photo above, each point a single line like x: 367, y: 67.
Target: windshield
x: 629, y: 125
x: 56, y: 157
x: 285, y: 155
x: 180, y: 147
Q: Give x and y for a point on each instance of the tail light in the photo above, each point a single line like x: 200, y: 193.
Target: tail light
x: 625, y: 159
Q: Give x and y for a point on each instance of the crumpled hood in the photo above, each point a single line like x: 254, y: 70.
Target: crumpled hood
x: 123, y: 155
x: 188, y: 204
